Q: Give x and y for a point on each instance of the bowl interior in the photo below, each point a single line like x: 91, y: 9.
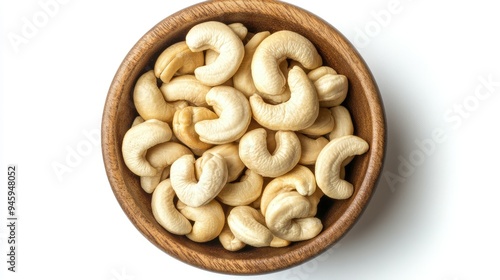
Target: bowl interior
x: 363, y: 101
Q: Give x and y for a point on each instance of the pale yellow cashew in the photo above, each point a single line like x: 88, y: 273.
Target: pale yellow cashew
x: 330, y: 162
x: 183, y: 127
x: 239, y: 29
x: 137, y: 121
x: 323, y: 124
x: 300, y: 179
x: 208, y: 220
x: 248, y: 225
x: 310, y: 148
x: 242, y: 79
x: 162, y: 156
x: 331, y: 87
x: 255, y: 155
x: 272, y: 51
x: 343, y: 122
x: 230, y: 153
x: 234, y: 113
x: 319, y: 72
x: 136, y: 142
x: 299, y: 112
x: 222, y: 39
x: 149, y: 101
x: 244, y: 192
x: 149, y: 183
x: 187, y: 88
x: 177, y: 59
x: 288, y: 217
x: 198, y: 192
x: 165, y: 212
x: 229, y: 241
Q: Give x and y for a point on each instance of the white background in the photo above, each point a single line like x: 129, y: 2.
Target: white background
x: 434, y: 215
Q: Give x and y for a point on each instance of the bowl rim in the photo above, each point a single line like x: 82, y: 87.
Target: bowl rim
x: 329, y: 236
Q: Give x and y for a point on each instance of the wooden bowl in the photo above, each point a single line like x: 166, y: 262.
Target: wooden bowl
x: 363, y: 101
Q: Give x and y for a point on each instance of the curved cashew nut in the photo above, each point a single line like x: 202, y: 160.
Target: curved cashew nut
x: 310, y: 148
x: 343, y: 122
x: 321, y: 71
x: 300, y: 179
x: 329, y: 163
x: 244, y: 192
x: 149, y: 183
x: 324, y: 124
x: 149, y: 101
x: 288, y: 217
x: 239, y: 29
x: 209, y: 219
x: 221, y: 38
x: 255, y: 155
x: 162, y: 156
x: 242, y: 79
x: 230, y: 153
x: 177, y: 58
x: 183, y: 127
x: 138, y: 139
x: 229, y: 241
x: 196, y: 193
x: 137, y: 120
x: 332, y: 90
x: 234, y: 114
x: 249, y: 226
x: 299, y: 112
x: 272, y: 51
x: 185, y: 87
x: 165, y: 212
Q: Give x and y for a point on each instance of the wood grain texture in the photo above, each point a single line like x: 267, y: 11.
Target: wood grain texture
x: 363, y: 101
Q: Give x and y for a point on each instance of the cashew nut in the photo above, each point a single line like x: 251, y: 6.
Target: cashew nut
x: 183, y: 127
x: 300, y: 179
x: 138, y: 139
x: 244, y: 192
x: 323, y: 124
x: 332, y: 89
x: 321, y: 71
x: 196, y: 193
x: 234, y: 114
x: 208, y: 220
x: 137, y: 120
x: 149, y: 183
x: 299, y: 112
x: 221, y: 38
x: 149, y: 101
x: 162, y: 156
x: 165, y: 212
x: 185, y: 87
x: 249, y: 226
x: 343, y: 122
x: 329, y: 163
x: 272, y: 51
x: 288, y: 217
x: 239, y: 29
x: 177, y: 58
x: 229, y: 241
x: 230, y: 153
x: 255, y: 155
x: 242, y: 79
x: 310, y: 148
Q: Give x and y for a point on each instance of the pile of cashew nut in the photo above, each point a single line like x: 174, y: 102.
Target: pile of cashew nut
x: 239, y: 135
